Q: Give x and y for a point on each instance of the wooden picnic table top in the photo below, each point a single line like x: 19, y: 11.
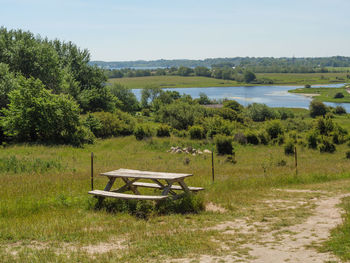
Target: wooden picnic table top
x: 128, y: 173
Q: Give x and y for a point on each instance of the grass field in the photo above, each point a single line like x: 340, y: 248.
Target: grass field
x: 185, y: 82
x: 45, y: 213
x: 325, y: 94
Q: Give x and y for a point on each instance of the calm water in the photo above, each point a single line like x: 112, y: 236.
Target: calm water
x: 273, y: 96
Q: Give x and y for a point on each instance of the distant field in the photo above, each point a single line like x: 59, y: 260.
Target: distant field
x: 185, y: 82
x: 338, y: 69
x: 325, y: 94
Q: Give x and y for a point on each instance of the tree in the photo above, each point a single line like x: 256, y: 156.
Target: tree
x: 128, y: 99
x: 35, y: 114
x: 184, y: 71
x: 249, y: 76
x: 317, y: 108
x: 7, y: 84
x: 203, y: 99
x: 148, y: 95
x: 98, y: 100
x: 202, y: 71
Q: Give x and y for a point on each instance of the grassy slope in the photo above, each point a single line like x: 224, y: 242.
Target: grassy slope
x: 184, y: 82
x: 50, y: 206
x: 325, y: 94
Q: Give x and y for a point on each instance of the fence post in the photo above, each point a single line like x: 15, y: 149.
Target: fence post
x: 92, y: 171
x: 212, y: 166
x: 296, y: 160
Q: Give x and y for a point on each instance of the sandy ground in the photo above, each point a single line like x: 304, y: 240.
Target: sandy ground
x: 290, y: 244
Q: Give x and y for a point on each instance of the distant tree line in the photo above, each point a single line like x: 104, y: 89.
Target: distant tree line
x: 262, y: 62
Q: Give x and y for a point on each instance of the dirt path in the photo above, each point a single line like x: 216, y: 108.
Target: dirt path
x: 295, y: 243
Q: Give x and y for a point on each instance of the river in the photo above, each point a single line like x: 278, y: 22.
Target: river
x: 272, y: 96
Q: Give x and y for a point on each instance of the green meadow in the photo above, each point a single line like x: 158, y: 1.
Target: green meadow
x: 47, y: 215
x: 191, y: 81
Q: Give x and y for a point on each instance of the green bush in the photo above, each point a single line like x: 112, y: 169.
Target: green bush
x: 163, y: 131
x: 223, y: 144
x: 339, y: 95
x: 228, y: 114
x: 146, y: 112
x: 312, y: 138
x: 180, y: 134
x: 260, y: 112
x: 252, y: 138
x: 274, y: 129
x: 197, y: 132
x: 190, y: 203
x: 289, y: 147
x: 142, y: 131
x: 307, y: 86
x: 317, y: 108
x: 34, y: 114
x: 233, y: 105
x: 339, y: 110
x: 327, y: 146
x: 347, y: 154
x: 106, y: 124
x: 263, y: 137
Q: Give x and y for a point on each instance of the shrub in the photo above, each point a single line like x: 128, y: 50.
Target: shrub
x: 146, y: 112
x: 317, y: 108
x: 128, y: 99
x: 327, y: 146
x: 142, y: 131
x: 325, y: 126
x: 233, y: 105
x: 252, y: 138
x: 223, y: 144
x: 106, y: 124
x: 163, y: 131
x: 228, y: 114
x: 190, y: 203
x: 216, y: 125
x: 347, y: 154
x: 289, y: 148
x: 339, y: 110
x: 263, y: 137
x: 339, y: 95
x: 285, y: 114
x: 307, y: 86
x: 34, y: 114
x: 197, y: 132
x: 274, y: 129
x: 260, y: 112
x: 312, y: 138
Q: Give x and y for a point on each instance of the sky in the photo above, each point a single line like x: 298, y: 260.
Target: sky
x: 122, y: 30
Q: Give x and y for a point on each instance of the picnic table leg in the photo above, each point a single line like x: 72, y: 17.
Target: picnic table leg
x: 132, y: 187
x: 184, y: 186
x: 167, y: 188
x: 107, y: 188
x: 164, y: 186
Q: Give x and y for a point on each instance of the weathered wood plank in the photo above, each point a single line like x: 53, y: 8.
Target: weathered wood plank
x: 127, y: 173
x: 127, y: 196
x: 173, y: 187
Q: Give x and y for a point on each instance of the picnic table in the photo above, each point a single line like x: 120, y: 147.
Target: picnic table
x: 166, y: 182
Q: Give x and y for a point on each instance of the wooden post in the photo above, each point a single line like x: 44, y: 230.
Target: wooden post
x: 92, y: 171
x: 296, y: 160
x: 212, y: 166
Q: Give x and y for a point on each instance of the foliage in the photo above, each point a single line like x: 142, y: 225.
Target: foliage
x: 106, y: 124
x: 252, y: 137
x: 249, y: 76
x: 98, y: 100
x: 163, y: 131
x: 203, y: 99
x: 240, y: 138
x: 35, y: 114
x: 326, y: 145
x: 339, y: 95
x: 223, y: 144
x: 274, y: 129
x: 260, y: 112
x: 317, y: 108
x: 180, y: 115
x: 202, y: 71
x: 7, y: 84
x: 339, y: 110
x: 197, y: 132
x: 142, y: 131
x: 216, y: 125
x: 289, y: 147
x: 233, y: 105
x: 148, y: 95
x: 127, y: 98
x: 307, y: 86
x: 312, y: 138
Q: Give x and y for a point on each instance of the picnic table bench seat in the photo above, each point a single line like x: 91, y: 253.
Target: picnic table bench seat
x: 173, y: 187
x: 127, y: 196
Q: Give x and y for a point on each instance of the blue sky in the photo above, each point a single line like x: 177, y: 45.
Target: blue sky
x: 154, y: 29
